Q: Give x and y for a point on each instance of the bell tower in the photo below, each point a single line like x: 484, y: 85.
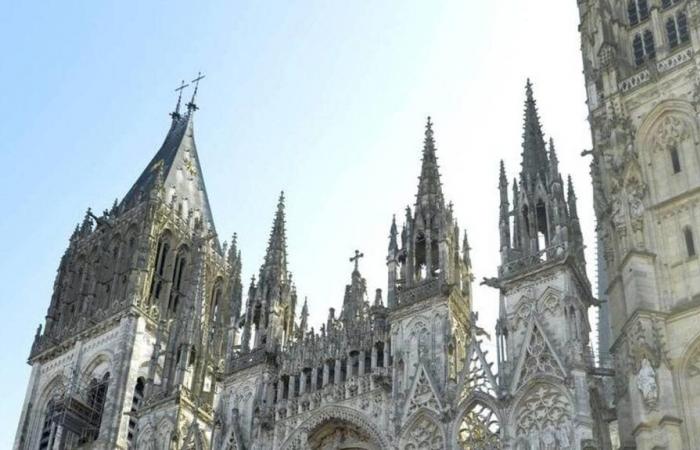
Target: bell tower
x: 640, y: 60
x: 544, y: 356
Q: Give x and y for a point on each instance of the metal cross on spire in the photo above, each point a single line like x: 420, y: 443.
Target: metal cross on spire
x: 179, y: 90
x: 191, y: 105
x: 356, y: 259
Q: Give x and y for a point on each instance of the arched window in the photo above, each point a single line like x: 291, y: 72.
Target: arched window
x: 135, y: 404
x: 689, y: 241
x: 671, y: 32
x: 638, y: 49
x: 177, y: 278
x: 682, y: 23
x: 159, y: 270
x: 48, y: 429
x: 675, y: 159
x: 677, y: 30
x: 479, y: 429
x: 637, y: 11
x: 96, y: 397
x: 649, y: 46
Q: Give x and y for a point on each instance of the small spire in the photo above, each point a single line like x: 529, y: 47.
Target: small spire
x: 393, y: 232
x: 429, y: 186
x: 86, y: 226
x: 233, y: 250
x: 276, y: 255
x: 304, y: 319
x: 176, y: 114
x: 503, y: 189
x: 571, y: 199
x: 553, y: 162
x: 378, y: 298
x: 192, y: 106
x: 466, y: 250
x: 534, y: 155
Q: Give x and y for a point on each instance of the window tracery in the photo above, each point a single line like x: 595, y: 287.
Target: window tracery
x: 543, y: 419
x: 479, y: 429
x: 423, y: 434
x: 538, y: 357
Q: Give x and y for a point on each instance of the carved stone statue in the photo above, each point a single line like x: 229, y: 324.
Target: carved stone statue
x: 646, y: 383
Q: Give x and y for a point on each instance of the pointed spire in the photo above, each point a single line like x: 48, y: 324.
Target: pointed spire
x: 534, y: 163
x: 233, y: 250
x: 571, y: 199
x: 429, y: 186
x: 276, y: 255
x: 466, y: 250
x: 393, y: 233
x: 86, y: 226
x: 503, y: 189
x: 304, y: 318
x: 553, y: 162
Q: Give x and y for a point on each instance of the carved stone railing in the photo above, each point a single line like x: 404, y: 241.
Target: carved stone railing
x: 250, y: 359
x: 426, y: 289
x: 662, y: 66
x: 635, y: 80
x: 547, y: 255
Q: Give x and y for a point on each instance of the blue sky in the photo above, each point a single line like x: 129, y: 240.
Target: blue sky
x: 324, y: 99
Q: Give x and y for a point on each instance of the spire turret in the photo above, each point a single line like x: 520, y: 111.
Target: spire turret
x: 429, y: 185
x: 271, y: 302
x: 534, y: 164
x: 393, y: 233
x: 304, y: 319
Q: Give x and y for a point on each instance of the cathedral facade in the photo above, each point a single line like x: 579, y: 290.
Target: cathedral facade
x: 151, y: 341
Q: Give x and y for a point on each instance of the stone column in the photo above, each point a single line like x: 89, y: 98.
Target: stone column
x: 326, y: 373
x: 362, y: 363
x: 302, y: 383
x: 337, y: 372
x: 314, y: 377
x: 373, y: 362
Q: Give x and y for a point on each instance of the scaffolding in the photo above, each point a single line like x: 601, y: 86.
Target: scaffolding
x: 77, y: 412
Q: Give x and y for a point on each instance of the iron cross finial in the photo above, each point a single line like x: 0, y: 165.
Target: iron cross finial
x: 356, y: 259
x: 179, y: 89
x: 191, y: 105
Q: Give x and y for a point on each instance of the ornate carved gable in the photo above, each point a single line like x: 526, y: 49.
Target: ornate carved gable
x: 476, y: 374
x: 537, y: 358
x: 423, y: 394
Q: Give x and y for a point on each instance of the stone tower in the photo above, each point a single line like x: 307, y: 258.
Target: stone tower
x: 641, y: 64
x: 546, y: 379
x: 140, y: 319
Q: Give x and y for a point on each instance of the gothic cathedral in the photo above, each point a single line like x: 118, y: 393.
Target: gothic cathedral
x: 149, y: 344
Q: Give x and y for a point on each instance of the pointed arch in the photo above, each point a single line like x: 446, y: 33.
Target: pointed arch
x: 423, y: 431
x: 688, y: 376
x: 478, y: 424
x: 298, y: 438
x: 667, y: 142
x: 543, y: 413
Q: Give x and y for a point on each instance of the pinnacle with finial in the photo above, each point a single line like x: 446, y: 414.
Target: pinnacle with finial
x: 176, y: 114
x: 192, y: 106
x: 393, y: 232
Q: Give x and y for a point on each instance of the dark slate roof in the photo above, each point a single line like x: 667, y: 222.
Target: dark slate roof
x: 177, y: 154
